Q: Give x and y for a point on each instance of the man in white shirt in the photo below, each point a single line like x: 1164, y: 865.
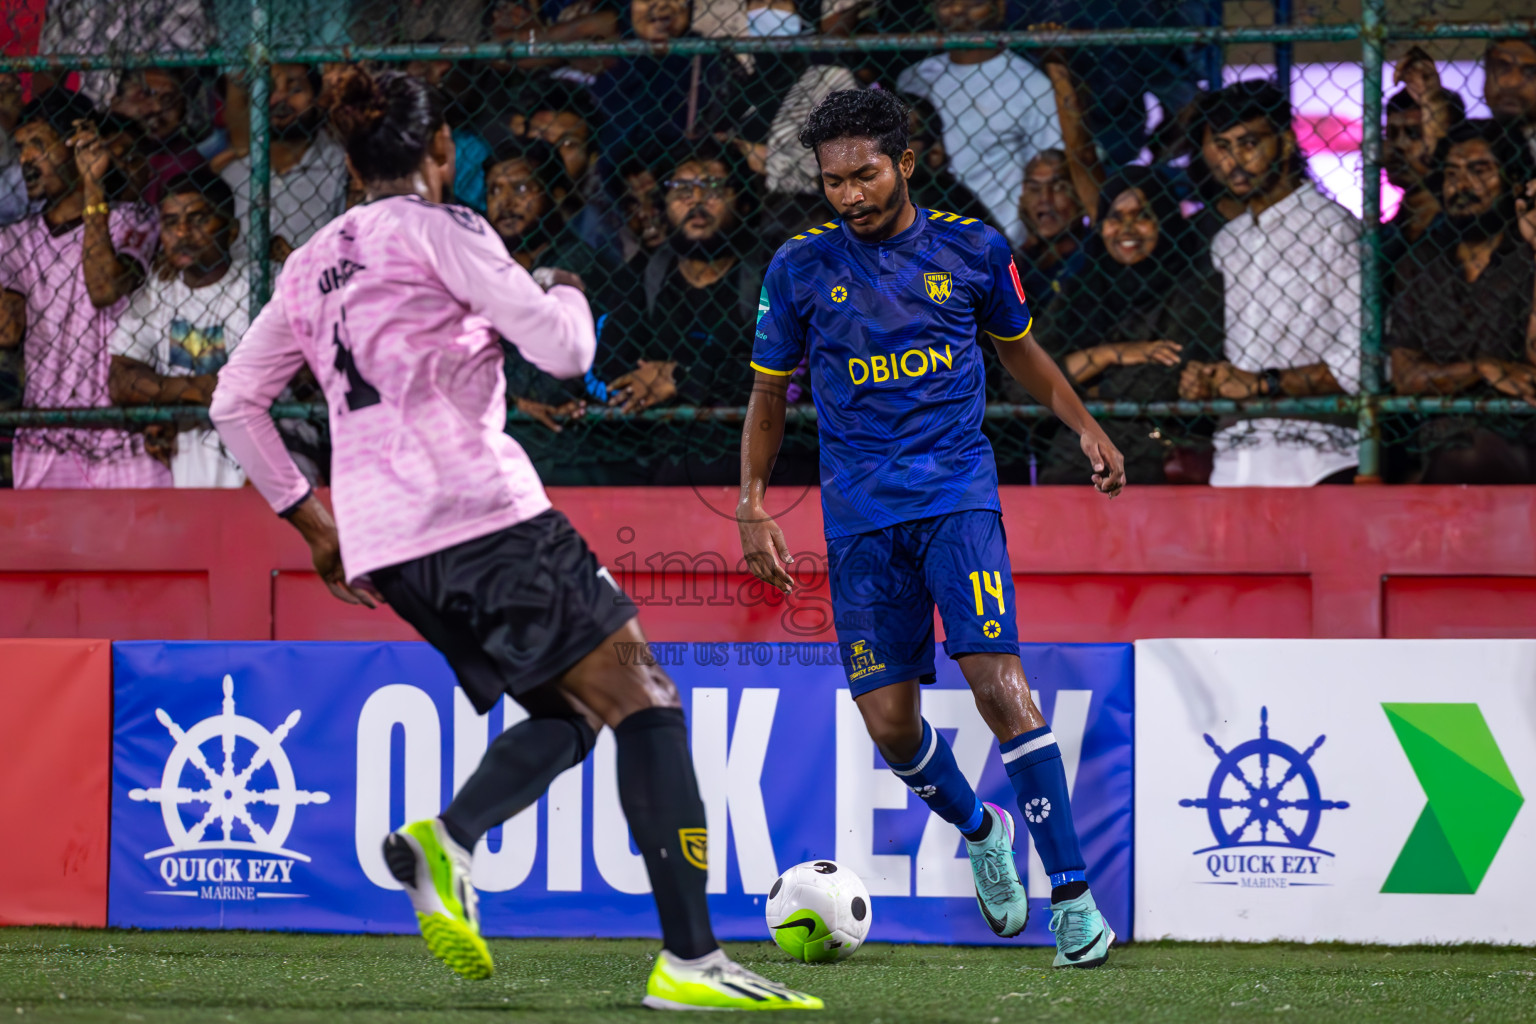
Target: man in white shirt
x: 1291, y: 261
x: 178, y: 331
x: 998, y: 109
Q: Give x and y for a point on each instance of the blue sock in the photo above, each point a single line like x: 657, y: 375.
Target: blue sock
x: 1034, y: 767
x: 934, y: 776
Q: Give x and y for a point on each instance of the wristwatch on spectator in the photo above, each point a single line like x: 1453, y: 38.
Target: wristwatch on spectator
x: 1269, y: 383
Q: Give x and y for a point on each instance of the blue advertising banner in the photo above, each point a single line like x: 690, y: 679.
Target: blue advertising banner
x: 253, y: 784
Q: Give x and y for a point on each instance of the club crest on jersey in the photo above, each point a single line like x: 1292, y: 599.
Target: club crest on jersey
x: 940, y: 285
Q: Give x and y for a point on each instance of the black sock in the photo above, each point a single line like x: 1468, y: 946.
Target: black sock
x: 517, y: 768
x: 982, y: 831
x: 1070, y: 891
x: 660, y: 797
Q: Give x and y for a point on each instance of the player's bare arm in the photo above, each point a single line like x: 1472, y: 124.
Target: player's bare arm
x: 1040, y: 375
x: 762, y: 542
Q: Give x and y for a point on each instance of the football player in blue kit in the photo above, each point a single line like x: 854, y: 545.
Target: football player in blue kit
x: 887, y: 303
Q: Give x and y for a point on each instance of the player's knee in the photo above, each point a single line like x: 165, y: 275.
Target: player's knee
x: 1005, y: 703
x: 896, y: 738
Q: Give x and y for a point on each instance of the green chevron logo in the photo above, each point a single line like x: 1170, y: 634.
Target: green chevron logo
x: 1473, y: 798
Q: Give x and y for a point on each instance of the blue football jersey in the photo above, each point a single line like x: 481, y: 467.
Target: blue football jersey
x: 890, y: 333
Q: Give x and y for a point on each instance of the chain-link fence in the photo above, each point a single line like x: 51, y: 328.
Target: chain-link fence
x: 1270, y: 244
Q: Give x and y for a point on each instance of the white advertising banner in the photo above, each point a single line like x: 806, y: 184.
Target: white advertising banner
x: 1350, y: 790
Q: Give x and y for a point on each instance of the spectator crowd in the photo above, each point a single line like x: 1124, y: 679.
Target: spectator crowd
x: 1193, y: 259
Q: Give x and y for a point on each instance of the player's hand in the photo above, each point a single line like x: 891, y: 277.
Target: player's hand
x: 649, y: 383
x: 550, y: 415
x: 313, y: 520
x: 1107, y: 462
x: 548, y: 277
x: 762, y: 542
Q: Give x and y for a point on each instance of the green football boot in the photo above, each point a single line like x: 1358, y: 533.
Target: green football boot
x: 999, y: 893
x: 1083, y: 937
x: 435, y: 872
x: 715, y: 982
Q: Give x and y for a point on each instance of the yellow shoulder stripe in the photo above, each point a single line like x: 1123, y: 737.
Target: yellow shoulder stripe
x: 823, y: 229
x: 999, y: 337
x: 949, y: 218
x: 776, y: 373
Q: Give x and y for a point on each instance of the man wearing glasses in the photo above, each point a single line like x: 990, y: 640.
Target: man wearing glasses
x: 697, y: 293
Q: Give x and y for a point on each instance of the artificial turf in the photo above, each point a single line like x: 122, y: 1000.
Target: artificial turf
x: 66, y: 975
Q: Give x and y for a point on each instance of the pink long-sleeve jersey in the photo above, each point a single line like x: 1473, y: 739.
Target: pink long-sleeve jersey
x: 396, y: 306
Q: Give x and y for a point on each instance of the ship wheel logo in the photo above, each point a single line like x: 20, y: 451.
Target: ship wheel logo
x: 1264, y: 793
x: 225, y: 809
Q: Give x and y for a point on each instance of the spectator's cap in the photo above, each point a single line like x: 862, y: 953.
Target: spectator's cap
x: 542, y: 159
x: 1402, y: 101
x: 204, y: 182
x: 859, y: 114
x: 60, y: 109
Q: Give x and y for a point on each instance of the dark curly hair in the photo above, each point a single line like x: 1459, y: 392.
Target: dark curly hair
x: 859, y: 114
x: 386, y: 121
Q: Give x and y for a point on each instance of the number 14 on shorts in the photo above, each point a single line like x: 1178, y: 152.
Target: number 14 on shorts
x: 992, y: 583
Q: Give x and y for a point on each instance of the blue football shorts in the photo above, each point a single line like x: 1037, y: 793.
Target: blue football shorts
x: 886, y: 583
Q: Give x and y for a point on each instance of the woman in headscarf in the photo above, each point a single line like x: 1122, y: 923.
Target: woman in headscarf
x: 1146, y: 301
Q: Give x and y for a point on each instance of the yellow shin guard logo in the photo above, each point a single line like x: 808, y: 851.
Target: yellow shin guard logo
x: 695, y: 844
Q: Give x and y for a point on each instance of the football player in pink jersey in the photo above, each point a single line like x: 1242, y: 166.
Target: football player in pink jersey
x: 396, y: 306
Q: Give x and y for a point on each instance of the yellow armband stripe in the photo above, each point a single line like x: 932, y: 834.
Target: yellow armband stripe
x: 1016, y: 337
x: 776, y: 373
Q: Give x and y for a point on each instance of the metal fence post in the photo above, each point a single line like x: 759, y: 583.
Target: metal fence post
x: 1284, y: 52
x: 259, y: 87
x: 1372, y: 41
x: 1215, y: 54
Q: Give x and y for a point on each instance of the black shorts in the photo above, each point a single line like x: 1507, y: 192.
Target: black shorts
x: 511, y: 611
